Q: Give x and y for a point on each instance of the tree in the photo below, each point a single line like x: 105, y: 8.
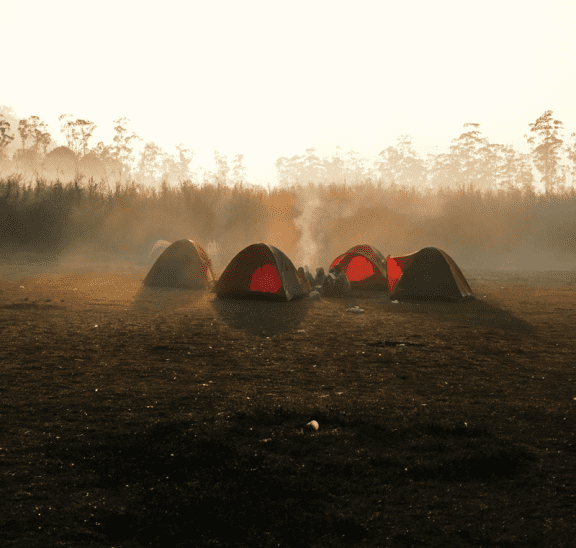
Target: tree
x: 312, y: 170
x: 238, y: 169
x: 34, y: 135
x: 335, y: 167
x: 356, y: 167
x: 401, y: 165
x: 176, y: 167
x: 546, y: 148
x: 123, y: 146
x: 77, y: 132
x: 287, y: 169
x: 35, y: 141
x: 471, y: 163
x: 168, y: 167
x: 92, y: 165
x: 512, y: 170
x: 63, y: 161
x: 5, y: 138
x: 301, y: 169
x: 222, y: 167
x: 149, y: 165
x: 474, y: 158
x: 183, y: 164
x: 571, y: 153
x: 443, y: 172
x: 109, y: 164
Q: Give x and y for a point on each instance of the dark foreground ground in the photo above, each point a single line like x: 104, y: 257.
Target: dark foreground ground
x: 133, y: 417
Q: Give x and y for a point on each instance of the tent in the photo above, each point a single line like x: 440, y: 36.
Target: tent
x: 364, y: 266
x: 182, y: 264
x: 427, y: 275
x: 260, y: 271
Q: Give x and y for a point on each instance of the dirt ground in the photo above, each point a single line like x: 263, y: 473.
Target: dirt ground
x: 161, y: 417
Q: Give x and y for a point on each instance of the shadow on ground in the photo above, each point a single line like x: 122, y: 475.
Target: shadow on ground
x: 262, y: 318
x: 270, y: 482
x: 474, y: 312
x: 166, y: 298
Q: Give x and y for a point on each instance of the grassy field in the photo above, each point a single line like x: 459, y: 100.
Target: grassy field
x: 312, y: 224
x: 133, y: 417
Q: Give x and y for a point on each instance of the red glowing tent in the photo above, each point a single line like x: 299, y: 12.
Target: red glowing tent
x: 427, y: 275
x: 260, y: 271
x: 182, y: 264
x: 364, y: 266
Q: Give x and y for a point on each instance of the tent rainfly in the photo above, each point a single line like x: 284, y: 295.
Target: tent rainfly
x: 364, y: 266
x: 260, y: 271
x: 427, y: 275
x: 183, y: 264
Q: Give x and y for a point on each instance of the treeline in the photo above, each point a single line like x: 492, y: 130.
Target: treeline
x: 312, y: 223
x: 472, y: 162
x: 479, y: 201
x: 126, y: 219
x: 37, y: 156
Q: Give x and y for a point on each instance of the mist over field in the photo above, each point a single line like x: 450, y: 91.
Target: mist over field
x: 486, y: 204
x: 498, y: 230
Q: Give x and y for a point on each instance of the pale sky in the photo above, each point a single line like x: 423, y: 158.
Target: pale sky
x: 268, y: 79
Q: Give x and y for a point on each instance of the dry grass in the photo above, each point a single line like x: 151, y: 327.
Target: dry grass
x: 136, y: 417
x: 482, y: 229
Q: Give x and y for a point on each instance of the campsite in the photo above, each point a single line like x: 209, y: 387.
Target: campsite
x: 160, y: 364
x: 142, y: 416
x: 288, y: 275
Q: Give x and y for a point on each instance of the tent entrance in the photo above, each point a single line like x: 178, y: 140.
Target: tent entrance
x: 394, y: 265
x: 265, y: 279
x: 359, y: 268
x: 260, y: 271
x: 365, y: 267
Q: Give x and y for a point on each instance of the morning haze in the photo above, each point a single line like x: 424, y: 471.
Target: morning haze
x: 489, y: 205
x: 266, y: 81
x: 398, y: 125
x: 161, y: 392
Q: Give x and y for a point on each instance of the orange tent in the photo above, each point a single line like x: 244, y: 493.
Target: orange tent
x: 427, y: 275
x: 364, y: 266
x: 260, y: 271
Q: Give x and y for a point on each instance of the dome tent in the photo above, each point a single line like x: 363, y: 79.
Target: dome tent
x: 427, y: 275
x: 260, y: 271
x: 183, y: 264
x: 364, y: 266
